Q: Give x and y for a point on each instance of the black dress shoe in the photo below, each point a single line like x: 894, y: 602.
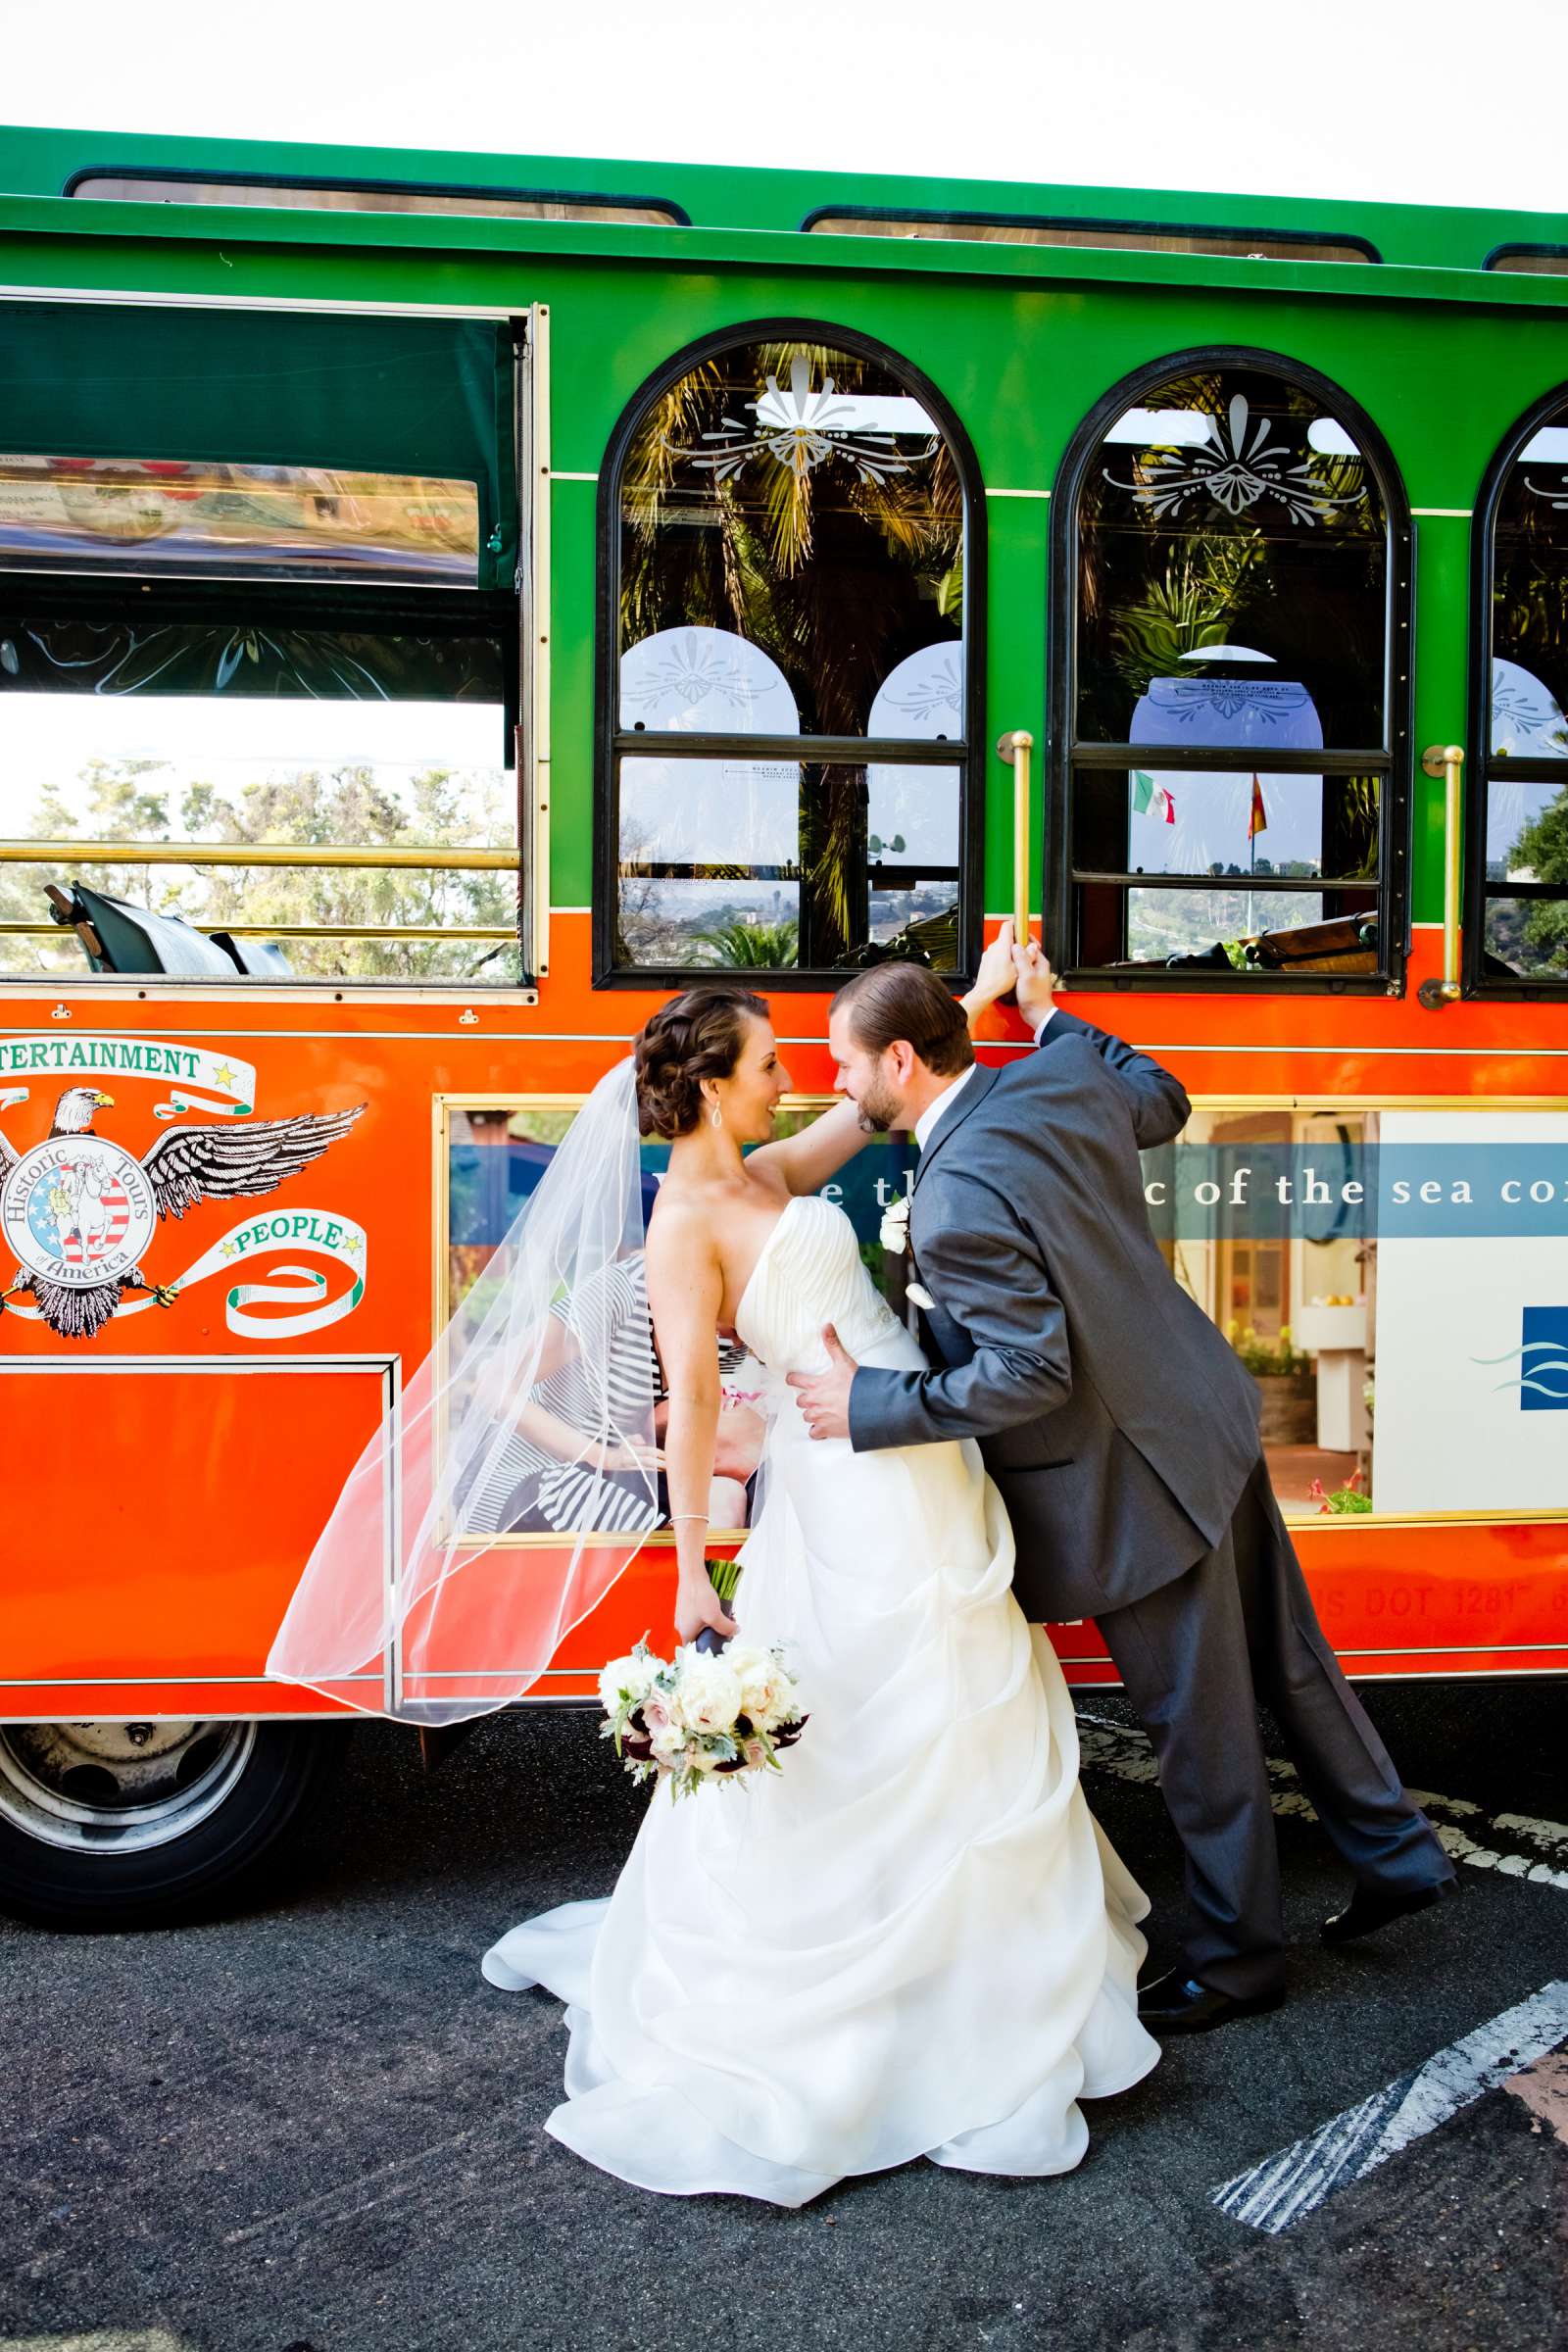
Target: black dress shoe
x: 1370, y: 1908
x: 1175, y: 2004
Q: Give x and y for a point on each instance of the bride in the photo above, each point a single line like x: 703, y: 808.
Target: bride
x: 912, y: 1941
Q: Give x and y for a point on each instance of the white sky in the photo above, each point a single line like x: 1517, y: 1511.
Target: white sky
x: 1426, y: 103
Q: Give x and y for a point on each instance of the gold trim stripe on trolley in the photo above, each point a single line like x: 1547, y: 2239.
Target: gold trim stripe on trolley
x: 259, y: 853
x: 271, y: 854
x: 300, y: 931
x: 533, y: 454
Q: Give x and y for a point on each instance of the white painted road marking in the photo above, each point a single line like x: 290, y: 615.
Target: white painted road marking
x: 1284, y: 2189
x: 113, y: 2339
x: 1463, y: 1829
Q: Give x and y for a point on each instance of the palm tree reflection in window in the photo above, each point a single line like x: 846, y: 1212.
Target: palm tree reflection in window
x: 800, y: 498
x: 1232, y: 571
x: 1525, y: 881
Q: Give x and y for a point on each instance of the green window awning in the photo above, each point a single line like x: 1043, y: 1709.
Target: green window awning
x: 420, y: 397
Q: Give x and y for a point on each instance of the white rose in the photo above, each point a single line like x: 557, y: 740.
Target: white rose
x: 709, y: 1692
x: 669, y: 1740
x: 626, y: 1682
x: 894, y: 1234
x: 766, y: 1688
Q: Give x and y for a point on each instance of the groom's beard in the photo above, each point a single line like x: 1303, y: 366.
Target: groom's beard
x: 880, y: 1109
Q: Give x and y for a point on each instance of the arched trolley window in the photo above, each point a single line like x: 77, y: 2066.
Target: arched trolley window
x: 1230, y: 686
x: 787, y: 690
x: 1516, y: 935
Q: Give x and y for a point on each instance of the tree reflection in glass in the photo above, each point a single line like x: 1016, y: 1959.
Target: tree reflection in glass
x: 1526, y: 878
x: 791, y: 566
x: 1232, y: 551
x: 1530, y: 601
x: 1228, y: 509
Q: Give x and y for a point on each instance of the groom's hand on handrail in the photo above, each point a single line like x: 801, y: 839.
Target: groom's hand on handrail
x: 825, y: 1395
x: 994, y: 975
x: 1036, y: 983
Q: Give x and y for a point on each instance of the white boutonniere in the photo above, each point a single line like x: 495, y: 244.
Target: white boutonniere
x: 919, y: 1296
x: 895, y: 1236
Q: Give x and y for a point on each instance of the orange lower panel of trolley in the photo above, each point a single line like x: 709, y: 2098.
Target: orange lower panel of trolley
x: 169, y: 1510
x: 1442, y: 1597
x: 1397, y: 1599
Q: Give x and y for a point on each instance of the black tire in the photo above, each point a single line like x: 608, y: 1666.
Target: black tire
x: 115, y: 1825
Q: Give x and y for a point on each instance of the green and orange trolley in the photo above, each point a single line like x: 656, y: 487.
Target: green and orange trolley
x: 447, y: 600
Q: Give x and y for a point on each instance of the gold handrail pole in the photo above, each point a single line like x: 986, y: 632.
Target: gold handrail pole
x: 533, y: 732
x: 253, y: 852
x: 1447, y: 760
x: 1015, y: 748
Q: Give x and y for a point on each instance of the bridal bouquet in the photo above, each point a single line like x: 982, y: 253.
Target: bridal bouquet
x: 702, y: 1715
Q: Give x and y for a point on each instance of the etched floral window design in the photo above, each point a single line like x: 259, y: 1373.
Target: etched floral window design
x: 1230, y: 549
x: 791, y: 572
x: 1530, y: 601
x: 1232, y: 508
x: 1524, y: 835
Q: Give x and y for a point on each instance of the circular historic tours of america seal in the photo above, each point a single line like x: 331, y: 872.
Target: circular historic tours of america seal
x: 79, y: 1210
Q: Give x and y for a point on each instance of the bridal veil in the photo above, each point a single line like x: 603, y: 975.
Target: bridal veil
x: 416, y: 1601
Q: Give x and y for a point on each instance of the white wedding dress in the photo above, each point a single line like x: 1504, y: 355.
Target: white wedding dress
x: 914, y: 1939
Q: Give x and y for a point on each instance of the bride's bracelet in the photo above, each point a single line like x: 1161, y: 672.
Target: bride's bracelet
x: 675, y: 1517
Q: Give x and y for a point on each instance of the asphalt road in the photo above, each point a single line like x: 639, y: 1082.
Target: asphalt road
x: 310, y: 2127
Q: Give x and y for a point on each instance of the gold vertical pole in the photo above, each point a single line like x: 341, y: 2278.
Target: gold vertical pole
x: 1015, y: 749
x: 539, y: 597
x: 533, y: 584
x: 1447, y: 760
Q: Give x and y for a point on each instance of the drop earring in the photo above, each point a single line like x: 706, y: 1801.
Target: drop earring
x: 717, y: 1120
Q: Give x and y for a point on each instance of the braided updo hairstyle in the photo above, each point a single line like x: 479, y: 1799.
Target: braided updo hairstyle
x: 699, y: 1033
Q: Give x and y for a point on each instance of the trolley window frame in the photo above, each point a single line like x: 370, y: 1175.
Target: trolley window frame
x: 612, y: 744
x: 502, y: 612
x: 1480, y: 765
x: 1067, y: 752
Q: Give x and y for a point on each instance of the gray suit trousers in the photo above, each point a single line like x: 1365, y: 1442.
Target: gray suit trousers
x: 1198, y: 1656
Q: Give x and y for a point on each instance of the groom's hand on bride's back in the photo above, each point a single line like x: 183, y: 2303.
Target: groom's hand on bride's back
x: 825, y: 1395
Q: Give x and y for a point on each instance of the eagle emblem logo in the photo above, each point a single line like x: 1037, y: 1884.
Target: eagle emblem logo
x: 77, y: 1211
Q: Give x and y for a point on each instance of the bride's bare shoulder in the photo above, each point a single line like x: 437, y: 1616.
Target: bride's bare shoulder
x: 695, y: 1224
x: 682, y: 1228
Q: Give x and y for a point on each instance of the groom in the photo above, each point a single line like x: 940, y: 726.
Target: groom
x: 1122, y: 1431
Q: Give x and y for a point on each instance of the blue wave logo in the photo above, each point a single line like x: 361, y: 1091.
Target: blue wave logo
x: 1542, y: 1360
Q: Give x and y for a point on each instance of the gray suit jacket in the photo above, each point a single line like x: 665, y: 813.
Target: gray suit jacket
x: 1117, y: 1420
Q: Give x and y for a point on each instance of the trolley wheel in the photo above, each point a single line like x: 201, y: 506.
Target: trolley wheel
x: 119, y: 1825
